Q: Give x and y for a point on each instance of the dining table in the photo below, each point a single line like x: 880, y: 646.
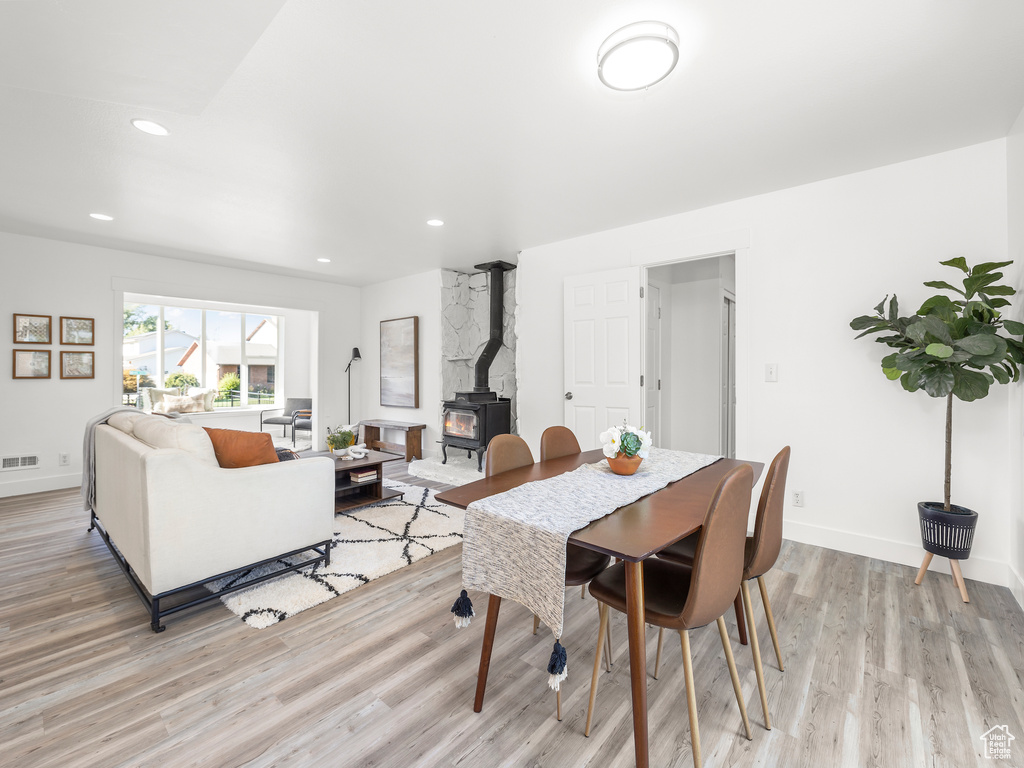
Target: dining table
x: 632, y: 533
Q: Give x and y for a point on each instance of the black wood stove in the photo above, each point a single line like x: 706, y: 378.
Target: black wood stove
x: 473, y: 418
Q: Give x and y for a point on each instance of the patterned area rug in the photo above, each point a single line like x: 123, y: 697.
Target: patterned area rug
x: 368, y: 543
x: 458, y: 471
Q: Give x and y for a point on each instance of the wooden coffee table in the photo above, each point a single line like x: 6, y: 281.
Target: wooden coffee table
x: 349, y: 495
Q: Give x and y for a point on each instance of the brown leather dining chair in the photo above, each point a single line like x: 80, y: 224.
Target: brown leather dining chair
x: 681, y: 598
x: 506, y: 452
x: 760, y: 553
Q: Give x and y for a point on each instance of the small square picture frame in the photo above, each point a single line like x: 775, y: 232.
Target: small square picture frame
x: 33, y: 329
x: 31, y: 364
x: 77, y: 330
x: 77, y: 365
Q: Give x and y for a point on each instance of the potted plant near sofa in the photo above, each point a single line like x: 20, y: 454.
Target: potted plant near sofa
x: 951, y: 346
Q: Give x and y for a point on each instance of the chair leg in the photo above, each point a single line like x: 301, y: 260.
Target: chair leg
x: 536, y: 623
x: 727, y: 646
x: 608, y: 645
x: 657, y: 659
x: 583, y: 591
x: 691, y: 697
x: 741, y: 625
x: 756, y: 653
x: 771, y: 620
x: 924, y: 567
x: 597, y: 664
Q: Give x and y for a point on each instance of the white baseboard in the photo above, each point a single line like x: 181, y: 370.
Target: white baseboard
x: 977, y: 568
x: 1016, y: 585
x: 39, y: 484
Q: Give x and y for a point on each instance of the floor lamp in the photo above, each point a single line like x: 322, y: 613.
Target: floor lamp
x: 348, y: 370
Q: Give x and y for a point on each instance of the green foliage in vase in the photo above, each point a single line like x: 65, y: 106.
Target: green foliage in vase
x: 340, y: 439
x: 630, y: 444
x: 951, y: 346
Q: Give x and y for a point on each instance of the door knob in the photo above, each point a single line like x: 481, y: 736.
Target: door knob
x: 568, y: 395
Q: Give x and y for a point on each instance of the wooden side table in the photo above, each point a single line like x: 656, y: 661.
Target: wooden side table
x: 413, y: 448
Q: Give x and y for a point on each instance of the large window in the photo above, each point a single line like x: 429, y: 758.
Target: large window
x: 170, y: 345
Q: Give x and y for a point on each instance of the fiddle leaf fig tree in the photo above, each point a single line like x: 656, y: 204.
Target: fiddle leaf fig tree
x: 952, y: 345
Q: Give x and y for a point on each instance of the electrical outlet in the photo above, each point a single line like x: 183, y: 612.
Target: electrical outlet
x: 64, y: 459
x: 798, y: 498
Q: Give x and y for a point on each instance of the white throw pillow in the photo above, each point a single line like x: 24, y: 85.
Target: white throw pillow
x: 158, y: 432
x: 151, y: 396
x: 209, y: 395
x: 182, y: 404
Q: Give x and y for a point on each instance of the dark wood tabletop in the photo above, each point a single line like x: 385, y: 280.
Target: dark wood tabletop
x: 372, y: 459
x: 633, y: 532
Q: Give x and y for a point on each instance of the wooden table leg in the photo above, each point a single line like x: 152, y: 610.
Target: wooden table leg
x: 485, y: 652
x: 637, y: 657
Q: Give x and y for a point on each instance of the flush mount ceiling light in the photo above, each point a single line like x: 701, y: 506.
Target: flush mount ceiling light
x: 101, y: 217
x: 435, y: 222
x: 148, y: 126
x: 324, y: 261
x: 638, y: 56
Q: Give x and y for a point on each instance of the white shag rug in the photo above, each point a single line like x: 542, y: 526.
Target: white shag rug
x: 458, y: 471
x: 369, y: 542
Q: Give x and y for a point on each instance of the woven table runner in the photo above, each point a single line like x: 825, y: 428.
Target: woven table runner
x: 514, y: 542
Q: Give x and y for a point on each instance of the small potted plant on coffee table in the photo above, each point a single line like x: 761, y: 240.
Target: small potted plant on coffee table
x: 951, y: 346
x: 339, y: 439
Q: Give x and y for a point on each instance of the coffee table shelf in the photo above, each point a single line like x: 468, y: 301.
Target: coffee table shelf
x: 350, y: 495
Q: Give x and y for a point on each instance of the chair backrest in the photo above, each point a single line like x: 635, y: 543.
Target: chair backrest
x: 556, y: 442
x: 293, y: 404
x: 506, y: 452
x: 768, y: 524
x: 718, y: 559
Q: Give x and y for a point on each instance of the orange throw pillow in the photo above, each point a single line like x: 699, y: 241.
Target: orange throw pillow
x: 236, y: 449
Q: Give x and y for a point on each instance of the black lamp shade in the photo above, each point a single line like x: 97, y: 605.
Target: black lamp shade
x: 355, y: 354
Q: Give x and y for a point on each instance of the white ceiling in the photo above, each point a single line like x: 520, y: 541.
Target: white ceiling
x: 322, y: 128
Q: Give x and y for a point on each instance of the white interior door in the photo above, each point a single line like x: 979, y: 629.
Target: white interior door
x: 603, y: 383
x: 727, y: 400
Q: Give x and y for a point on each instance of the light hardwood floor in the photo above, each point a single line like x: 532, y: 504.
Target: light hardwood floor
x: 878, y: 672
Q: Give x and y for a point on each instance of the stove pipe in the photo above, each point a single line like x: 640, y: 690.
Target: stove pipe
x: 497, y: 295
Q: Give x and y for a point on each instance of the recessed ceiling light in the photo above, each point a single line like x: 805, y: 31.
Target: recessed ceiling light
x: 435, y: 222
x: 101, y: 217
x: 638, y: 56
x: 324, y: 261
x: 148, y: 126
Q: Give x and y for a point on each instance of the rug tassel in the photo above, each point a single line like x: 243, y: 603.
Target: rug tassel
x: 463, y: 610
x: 558, y: 669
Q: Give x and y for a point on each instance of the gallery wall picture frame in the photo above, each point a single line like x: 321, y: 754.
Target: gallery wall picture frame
x: 400, y: 362
x: 33, y: 329
x: 77, y: 365
x: 31, y: 364
x: 77, y: 330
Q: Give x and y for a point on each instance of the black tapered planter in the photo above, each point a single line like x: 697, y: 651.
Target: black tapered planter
x: 947, y: 534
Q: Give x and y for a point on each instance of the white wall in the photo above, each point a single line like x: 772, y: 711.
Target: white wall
x: 1015, y: 225
x: 809, y: 259
x: 696, y: 366
x: 418, y: 295
x: 49, y: 277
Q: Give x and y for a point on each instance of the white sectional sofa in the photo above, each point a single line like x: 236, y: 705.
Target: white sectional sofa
x: 176, y: 519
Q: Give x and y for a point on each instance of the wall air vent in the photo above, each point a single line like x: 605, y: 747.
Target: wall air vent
x: 11, y: 463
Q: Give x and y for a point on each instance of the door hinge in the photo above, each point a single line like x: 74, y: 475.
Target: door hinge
x: 659, y: 385
x: 641, y: 291
x: 659, y: 313
x: 641, y: 379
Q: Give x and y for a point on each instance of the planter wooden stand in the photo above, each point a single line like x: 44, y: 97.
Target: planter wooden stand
x: 947, y: 534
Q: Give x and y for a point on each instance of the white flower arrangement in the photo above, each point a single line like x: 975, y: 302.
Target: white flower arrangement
x: 625, y: 439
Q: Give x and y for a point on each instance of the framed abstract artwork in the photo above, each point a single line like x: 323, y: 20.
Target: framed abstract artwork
x: 31, y: 364
x: 32, y: 329
x: 77, y: 330
x: 76, y: 365
x: 399, y: 362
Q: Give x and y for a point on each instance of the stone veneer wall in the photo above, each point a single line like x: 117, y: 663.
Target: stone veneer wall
x: 465, y: 328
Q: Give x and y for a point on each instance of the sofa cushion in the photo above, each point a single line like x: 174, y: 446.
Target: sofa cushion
x: 125, y: 420
x: 209, y: 395
x: 236, y: 449
x: 151, y: 396
x: 159, y: 432
x: 181, y: 404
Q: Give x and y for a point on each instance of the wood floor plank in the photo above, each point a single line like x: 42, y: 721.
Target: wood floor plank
x: 879, y: 672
